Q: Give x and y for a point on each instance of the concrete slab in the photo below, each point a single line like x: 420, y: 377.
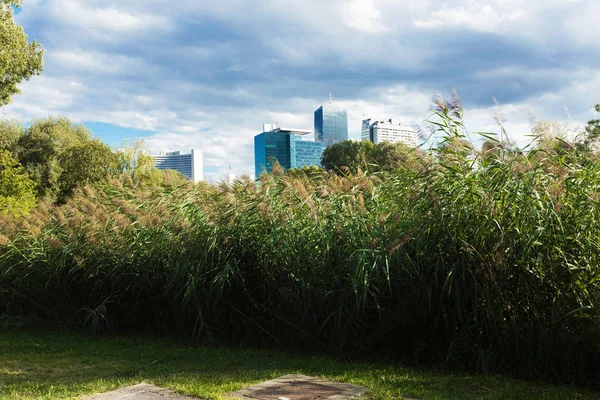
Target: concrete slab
x: 299, y: 387
x: 143, y: 391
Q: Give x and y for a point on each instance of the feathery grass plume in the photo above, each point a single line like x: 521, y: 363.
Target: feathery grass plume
x: 440, y: 104
x: 455, y: 105
x: 4, y: 240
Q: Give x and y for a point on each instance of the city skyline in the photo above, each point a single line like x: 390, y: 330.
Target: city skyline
x: 205, y: 75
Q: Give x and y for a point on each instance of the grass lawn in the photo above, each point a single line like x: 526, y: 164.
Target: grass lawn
x: 46, y: 365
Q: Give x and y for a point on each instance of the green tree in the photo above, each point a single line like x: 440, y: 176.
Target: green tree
x: 59, y: 155
x: 369, y: 156
x: 135, y: 162
x: 390, y: 156
x: 42, y: 147
x: 133, y: 158
x: 349, y: 153
x: 17, y: 195
x: 90, y: 162
x: 18, y: 59
x: 10, y: 133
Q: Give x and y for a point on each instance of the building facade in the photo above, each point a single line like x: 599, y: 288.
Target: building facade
x: 388, y: 131
x: 308, y: 153
x: 190, y: 165
x: 331, y: 125
x: 366, y: 131
x: 285, y: 147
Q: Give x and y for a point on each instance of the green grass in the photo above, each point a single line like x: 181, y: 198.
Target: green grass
x: 50, y: 365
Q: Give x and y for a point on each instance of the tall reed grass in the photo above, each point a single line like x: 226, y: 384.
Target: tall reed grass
x: 488, y: 263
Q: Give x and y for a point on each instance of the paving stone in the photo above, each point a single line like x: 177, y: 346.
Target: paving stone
x: 299, y: 387
x: 143, y: 391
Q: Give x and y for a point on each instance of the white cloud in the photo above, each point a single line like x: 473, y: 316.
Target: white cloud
x: 43, y: 96
x: 363, y: 16
x: 476, y: 16
x: 208, y: 74
x: 105, y: 19
x: 96, y: 62
x: 581, y: 24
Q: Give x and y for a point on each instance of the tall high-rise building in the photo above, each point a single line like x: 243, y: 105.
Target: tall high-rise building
x: 388, y: 131
x: 189, y: 165
x: 331, y: 124
x: 366, y: 131
x: 285, y: 147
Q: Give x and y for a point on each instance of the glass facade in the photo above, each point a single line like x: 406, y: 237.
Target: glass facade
x: 366, y: 132
x: 289, y: 150
x: 331, y: 125
x: 269, y: 148
x: 308, y: 153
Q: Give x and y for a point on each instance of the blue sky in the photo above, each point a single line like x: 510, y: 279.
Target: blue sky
x: 207, y: 74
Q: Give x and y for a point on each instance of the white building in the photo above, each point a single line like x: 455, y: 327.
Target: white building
x: 190, y: 165
x: 231, y: 178
x: 388, y: 131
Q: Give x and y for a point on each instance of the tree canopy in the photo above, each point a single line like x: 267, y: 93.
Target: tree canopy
x: 18, y: 59
x: 349, y: 153
x: 17, y: 195
x: 352, y: 155
x: 89, y: 162
x: 59, y: 155
x: 10, y: 133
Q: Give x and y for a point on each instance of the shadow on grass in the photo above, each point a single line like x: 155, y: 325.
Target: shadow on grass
x: 49, y: 365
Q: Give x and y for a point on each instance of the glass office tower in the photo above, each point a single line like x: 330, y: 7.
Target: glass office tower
x: 287, y: 148
x: 331, y: 125
x: 189, y: 165
x: 269, y: 148
x: 308, y: 153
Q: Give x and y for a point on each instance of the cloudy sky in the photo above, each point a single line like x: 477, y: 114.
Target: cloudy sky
x: 208, y: 73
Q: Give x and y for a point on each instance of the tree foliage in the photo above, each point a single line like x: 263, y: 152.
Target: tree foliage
x: 87, y: 163
x: 390, y: 156
x: 59, y: 155
x: 352, y: 155
x: 10, y: 133
x: 18, y: 59
x: 17, y: 196
x: 134, y: 161
x: 349, y: 153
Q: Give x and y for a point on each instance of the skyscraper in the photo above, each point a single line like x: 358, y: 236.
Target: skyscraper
x: 331, y: 124
x: 285, y: 147
x: 189, y: 165
x: 366, y: 131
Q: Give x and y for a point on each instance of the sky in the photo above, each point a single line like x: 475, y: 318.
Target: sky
x: 207, y: 74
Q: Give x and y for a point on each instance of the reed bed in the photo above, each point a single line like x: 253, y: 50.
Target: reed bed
x: 471, y: 261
